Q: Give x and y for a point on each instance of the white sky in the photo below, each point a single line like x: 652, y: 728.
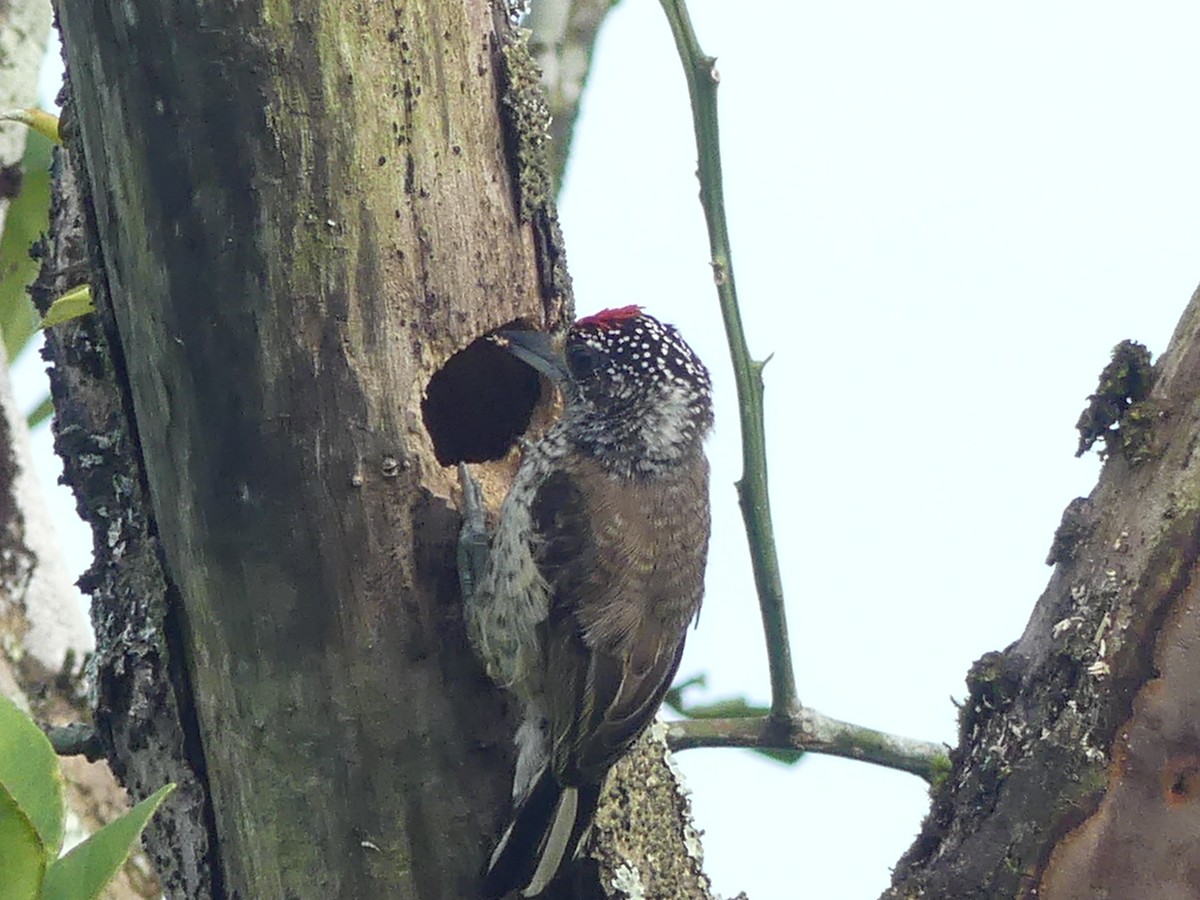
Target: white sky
x: 944, y: 215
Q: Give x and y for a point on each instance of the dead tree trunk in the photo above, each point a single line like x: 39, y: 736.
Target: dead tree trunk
x: 297, y: 216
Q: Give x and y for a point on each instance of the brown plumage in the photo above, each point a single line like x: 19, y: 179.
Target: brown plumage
x: 593, y: 575
x: 625, y: 564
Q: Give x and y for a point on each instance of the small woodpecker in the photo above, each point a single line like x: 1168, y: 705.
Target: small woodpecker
x: 580, y: 602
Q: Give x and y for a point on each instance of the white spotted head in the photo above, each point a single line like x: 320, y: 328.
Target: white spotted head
x: 641, y: 399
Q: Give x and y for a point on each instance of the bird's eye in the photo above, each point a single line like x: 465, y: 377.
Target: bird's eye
x: 583, y: 360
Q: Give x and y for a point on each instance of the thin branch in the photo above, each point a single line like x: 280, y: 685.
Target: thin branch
x: 815, y: 733
x: 702, y: 80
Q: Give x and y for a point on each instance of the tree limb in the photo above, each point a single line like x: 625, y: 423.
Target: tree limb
x: 810, y: 731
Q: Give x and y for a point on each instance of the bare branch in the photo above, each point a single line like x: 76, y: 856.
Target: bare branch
x: 810, y: 731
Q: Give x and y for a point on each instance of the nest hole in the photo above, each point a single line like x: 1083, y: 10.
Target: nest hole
x: 478, y: 403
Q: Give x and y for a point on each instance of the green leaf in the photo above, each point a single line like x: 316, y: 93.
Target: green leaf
x: 29, y: 773
x: 26, y: 220
x: 83, y: 873
x: 40, y: 413
x: 71, y: 305
x: 674, y: 697
x: 22, y: 858
x: 787, y: 757
x: 733, y: 708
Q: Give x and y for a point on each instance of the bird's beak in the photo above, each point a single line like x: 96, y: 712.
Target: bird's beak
x: 538, y: 350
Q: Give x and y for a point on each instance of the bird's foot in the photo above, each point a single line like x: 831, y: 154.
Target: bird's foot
x: 473, y: 538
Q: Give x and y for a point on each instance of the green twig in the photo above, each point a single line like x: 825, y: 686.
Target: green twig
x: 810, y: 731
x: 702, y: 81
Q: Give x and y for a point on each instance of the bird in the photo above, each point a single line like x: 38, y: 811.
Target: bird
x: 580, y: 600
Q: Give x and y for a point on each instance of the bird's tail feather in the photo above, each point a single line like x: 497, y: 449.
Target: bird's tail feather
x: 547, y: 828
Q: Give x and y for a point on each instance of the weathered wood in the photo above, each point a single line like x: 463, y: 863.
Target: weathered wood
x: 303, y: 211
x: 145, y: 720
x: 1077, y: 772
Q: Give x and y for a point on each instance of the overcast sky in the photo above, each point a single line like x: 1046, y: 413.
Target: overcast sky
x: 944, y: 215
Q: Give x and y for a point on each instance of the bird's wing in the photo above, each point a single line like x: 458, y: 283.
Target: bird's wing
x: 609, y: 662
x: 621, y: 692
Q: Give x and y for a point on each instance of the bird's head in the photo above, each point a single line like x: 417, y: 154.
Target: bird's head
x: 632, y: 386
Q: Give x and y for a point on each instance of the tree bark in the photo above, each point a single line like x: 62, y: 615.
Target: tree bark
x: 299, y: 215
x: 44, y: 634
x: 1077, y: 770
x: 38, y: 605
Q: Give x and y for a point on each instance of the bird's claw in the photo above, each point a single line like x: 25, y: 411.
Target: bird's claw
x: 473, y: 537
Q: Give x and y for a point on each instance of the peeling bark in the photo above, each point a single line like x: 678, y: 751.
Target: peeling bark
x: 35, y: 582
x: 1076, y: 772
x: 44, y: 629
x: 135, y: 707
